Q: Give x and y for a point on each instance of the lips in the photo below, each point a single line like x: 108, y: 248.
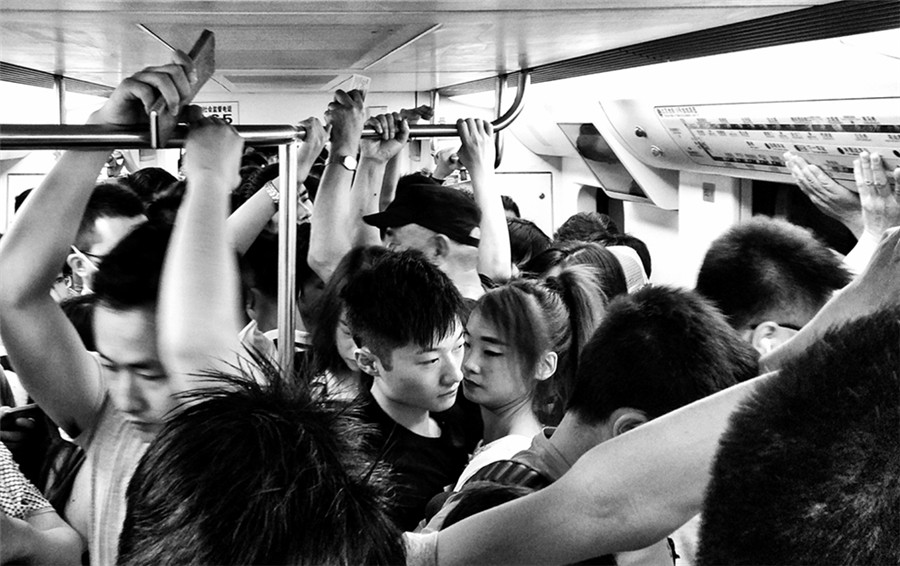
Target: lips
x: 470, y: 383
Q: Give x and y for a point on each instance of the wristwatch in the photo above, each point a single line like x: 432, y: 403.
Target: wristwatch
x: 348, y: 162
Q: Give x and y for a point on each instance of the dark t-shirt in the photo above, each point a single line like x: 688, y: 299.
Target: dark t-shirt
x: 421, y: 466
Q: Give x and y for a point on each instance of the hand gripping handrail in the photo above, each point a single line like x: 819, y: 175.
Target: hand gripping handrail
x: 51, y: 136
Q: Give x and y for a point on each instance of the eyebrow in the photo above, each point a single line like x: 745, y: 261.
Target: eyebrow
x: 144, y: 364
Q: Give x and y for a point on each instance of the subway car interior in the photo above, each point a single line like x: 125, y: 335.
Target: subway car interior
x: 675, y: 121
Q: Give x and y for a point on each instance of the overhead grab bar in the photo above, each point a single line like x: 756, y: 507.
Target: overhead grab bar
x: 92, y: 136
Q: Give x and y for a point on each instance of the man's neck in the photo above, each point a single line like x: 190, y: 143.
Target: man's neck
x: 415, y: 419
x: 573, y: 438
x: 467, y: 281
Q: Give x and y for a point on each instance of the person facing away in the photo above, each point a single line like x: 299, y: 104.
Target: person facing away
x: 655, y: 351
x: 769, y: 278
x: 404, y: 315
x: 154, y: 331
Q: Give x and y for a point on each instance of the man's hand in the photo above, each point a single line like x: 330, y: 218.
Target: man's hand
x: 413, y: 115
x: 16, y: 436
x: 346, y: 115
x: 131, y: 101
x: 213, y: 146
x: 829, y: 196
x: 394, y: 132
x: 446, y: 161
x: 880, y: 207
x: 477, y: 153
x: 315, y: 140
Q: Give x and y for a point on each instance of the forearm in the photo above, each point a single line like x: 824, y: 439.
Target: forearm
x: 365, y: 200
x: 198, y: 310
x: 494, y: 255
x: 624, y: 494
x: 245, y: 223
x: 392, y: 174
x: 43, y: 539
x: 328, y: 241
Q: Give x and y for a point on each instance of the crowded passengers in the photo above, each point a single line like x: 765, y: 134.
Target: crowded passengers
x: 466, y: 389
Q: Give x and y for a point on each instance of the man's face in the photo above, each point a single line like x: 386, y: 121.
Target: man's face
x: 410, y: 237
x: 425, y: 378
x: 138, y: 384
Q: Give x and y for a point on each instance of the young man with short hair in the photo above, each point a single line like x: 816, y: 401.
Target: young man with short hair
x: 404, y: 314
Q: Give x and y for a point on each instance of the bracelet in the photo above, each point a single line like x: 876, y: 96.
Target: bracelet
x: 273, y: 193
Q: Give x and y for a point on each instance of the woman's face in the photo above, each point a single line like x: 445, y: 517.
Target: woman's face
x: 344, y: 341
x: 492, y: 375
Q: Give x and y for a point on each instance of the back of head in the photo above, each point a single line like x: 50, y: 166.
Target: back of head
x: 256, y: 474
x: 607, y: 268
x: 108, y: 200
x: 510, y: 206
x: 259, y: 265
x: 769, y: 269
x: 164, y: 207
x: 526, y: 240
x: 149, y: 182
x: 536, y: 316
x: 251, y: 182
x: 585, y: 227
x: 634, y: 243
x: 807, y: 472
x: 327, y: 311
x: 129, y: 275
x: 655, y: 351
x: 401, y: 299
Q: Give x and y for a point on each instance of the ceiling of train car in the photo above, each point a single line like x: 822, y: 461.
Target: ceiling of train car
x: 402, y: 45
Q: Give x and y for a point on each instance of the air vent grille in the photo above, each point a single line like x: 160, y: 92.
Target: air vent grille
x: 838, y: 19
x: 30, y: 77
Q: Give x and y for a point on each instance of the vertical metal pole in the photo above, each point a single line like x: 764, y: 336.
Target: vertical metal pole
x: 287, y: 252
x: 498, y: 136
x: 59, y: 87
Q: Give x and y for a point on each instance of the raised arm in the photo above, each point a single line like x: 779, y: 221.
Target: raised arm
x: 42, y: 345
x: 329, y: 240
x: 393, y: 171
x: 880, y: 207
x: 624, y: 494
x: 375, y: 154
x: 477, y: 154
x: 245, y: 223
x: 198, y: 303
x: 829, y: 196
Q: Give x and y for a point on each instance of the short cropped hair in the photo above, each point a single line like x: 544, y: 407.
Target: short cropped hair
x: 259, y: 474
x: 807, y: 472
x: 655, y: 351
x: 108, y: 200
x: 526, y: 240
x: 585, y: 227
x: 768, y: 265
x: 401, y: 299
x: 129, y: 275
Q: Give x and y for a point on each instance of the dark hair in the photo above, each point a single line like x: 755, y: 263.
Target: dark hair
x: 129, y: 275
x: 632, y: 242
x: 80, y: 312
x: 252, y: 181
x: 557, y: 315
x: 20, y: 199
x: 254, y: 158
x: 526, y: 240
x: 478, y: 496
x: 585, y: 227
x: 259, y: 264
x: 259, y: 474
x: 164, y: 207
x: 655, y: 351
x: 768, y: 265
x: 608, y: 269
x: 510, y: 205
x: 807, y: 471
x: 401, y: 299
x: 149, y: 182
x: 108, y: 200
x: 327, y: 311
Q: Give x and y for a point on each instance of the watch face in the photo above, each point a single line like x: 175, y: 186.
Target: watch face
x: 349, y: 162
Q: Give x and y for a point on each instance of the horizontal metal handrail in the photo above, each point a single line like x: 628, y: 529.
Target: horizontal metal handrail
x: 53, y: 136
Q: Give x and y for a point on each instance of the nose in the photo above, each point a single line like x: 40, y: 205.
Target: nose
x: 126, y: 393
x: 470, y: 362
x: 452, y: 370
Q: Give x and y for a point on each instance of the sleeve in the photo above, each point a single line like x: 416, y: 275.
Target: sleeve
x: 421, y: 548
x: 18, y: 497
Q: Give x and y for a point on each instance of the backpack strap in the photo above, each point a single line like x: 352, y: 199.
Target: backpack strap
x: 511, y: 472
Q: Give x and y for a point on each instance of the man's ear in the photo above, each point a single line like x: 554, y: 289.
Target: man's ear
x: 251, y: 299
x: 78, y: 265
x: 441, y: 246
x: 764, y: 337
x: 367, y: 361
x: 625, y: 419
x: 547, y: 366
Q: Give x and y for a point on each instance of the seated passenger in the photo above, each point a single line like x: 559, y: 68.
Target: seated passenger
x: 259, y: 475
x: 522, y: 344
x: 807, y: 470
x: 769, y: 278
x: 655, y: 351
x: 152, y: 344
x: 404, y: 315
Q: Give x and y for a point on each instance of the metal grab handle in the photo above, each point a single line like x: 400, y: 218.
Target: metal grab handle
x: 92, y: 136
